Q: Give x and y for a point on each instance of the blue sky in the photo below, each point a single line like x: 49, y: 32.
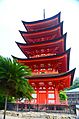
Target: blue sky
x: 13, y: 11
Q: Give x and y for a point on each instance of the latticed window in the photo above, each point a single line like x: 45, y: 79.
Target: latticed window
x: 42, y: 65
x: 42, y: 69
x: 42, y: 50
x: 51, y: 101
x: 50, y: 95
x: 48, y: 50
x: 49, y: 66
x: 37, y: 51
x: 35, y: 67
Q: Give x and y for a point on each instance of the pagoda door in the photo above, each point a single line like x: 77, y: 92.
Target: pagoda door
x: 42, y: 98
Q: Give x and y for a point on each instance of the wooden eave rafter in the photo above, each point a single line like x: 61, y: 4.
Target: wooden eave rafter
x: 28, y: 48
x: 42, y: 33
x: 35, y: 24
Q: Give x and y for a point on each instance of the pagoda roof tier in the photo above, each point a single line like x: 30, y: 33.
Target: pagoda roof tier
x: 43, y: 35
x: 59, y: 81
x: 41, y: 24
x: 51, y: 47
x: 60, y: 61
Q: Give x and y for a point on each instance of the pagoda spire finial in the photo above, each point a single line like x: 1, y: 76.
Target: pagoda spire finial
x: 43, y: 13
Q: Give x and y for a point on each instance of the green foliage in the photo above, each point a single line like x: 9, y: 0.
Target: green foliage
x: 2, y: 100
x: 12, y: 79
x: 62, y: 95
x: 10, y: 99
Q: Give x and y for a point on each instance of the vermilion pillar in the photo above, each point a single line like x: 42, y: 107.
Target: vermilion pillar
x: 46, y: 94
x: 37, y: 95
x: 56, y: 96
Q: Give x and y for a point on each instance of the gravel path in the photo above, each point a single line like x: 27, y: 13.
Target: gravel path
x: 36, y: 115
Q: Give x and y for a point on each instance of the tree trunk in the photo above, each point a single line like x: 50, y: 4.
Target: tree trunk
x: 5, y: 107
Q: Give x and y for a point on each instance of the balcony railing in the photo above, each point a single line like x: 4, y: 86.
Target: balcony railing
x: 44, y: 108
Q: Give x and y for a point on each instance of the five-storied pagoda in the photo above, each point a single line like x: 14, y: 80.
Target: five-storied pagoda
x: 46, y: 55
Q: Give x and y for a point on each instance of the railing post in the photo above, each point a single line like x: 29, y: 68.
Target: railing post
x: 37, y: 108
x: 29, y: 107
x: 54, y: 107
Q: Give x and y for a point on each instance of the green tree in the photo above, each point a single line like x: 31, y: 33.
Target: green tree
x: 2, y: 100
x: 12, y: 80
x: 62, y: 96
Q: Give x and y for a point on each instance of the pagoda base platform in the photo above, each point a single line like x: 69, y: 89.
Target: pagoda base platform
x: 68, y: 109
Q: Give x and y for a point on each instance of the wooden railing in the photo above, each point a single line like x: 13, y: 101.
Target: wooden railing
x: 44, y: 108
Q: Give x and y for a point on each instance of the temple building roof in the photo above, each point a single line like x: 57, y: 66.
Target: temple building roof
x: 61, y: 81
x: 60, y: 60
x: 50, y: 47
x: 43, y: 35
x: 41, y: 24
x: 67, y: 52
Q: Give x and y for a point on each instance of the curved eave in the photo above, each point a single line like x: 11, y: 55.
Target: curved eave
x: 46, y: 29
x: 33, y: 34
x: 31, y: 45
x: 58, y: 56
x: 47, y: 19
x: 61, y: 75
x: 54, y: 56
x: 22, y: 44
x: 66, y: 78
x: 45, y: 42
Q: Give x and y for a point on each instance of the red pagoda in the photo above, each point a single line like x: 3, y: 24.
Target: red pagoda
x: 46, y: 55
